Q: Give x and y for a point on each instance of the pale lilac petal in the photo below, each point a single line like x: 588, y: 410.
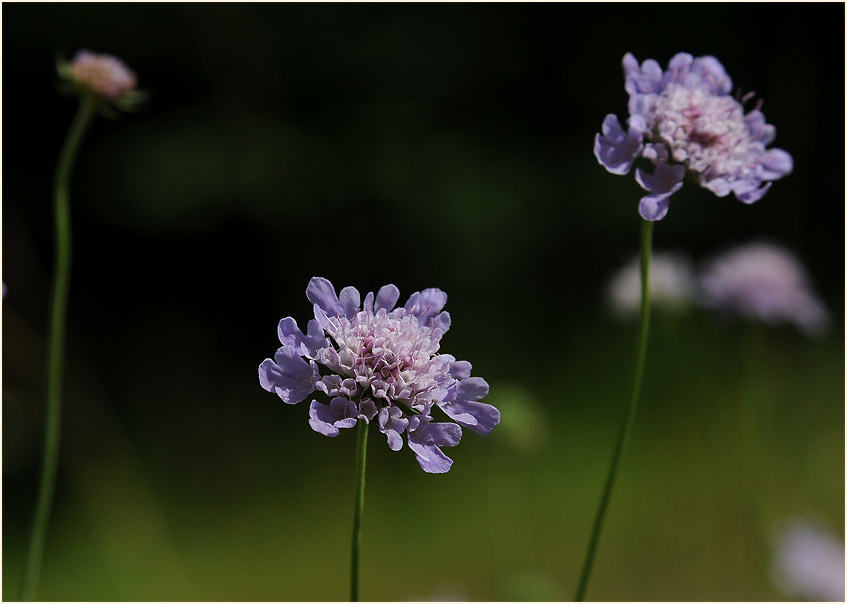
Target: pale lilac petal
x: 615, y: 149
x: 367, y: 410
x: 426, y: 437
x: 329, y: 419
x: 653, y: 207
x: 759, y: 129
x: 426, y: 304
x: 679, y: 68
x: 442, y: 322
x: 392, y: 424
x: 666, y: 181
x: 711, y: 72
x: 472, y: 389
x: 753, y: 195
x: 387, y: 297
x: 321, y: 292
x: 644, y: 79
x: 349, y: 301
x: 482, y: 418
x: 290, y: 335
x: 460, y: 370
x: 778, y: 163
x: 288, y: 375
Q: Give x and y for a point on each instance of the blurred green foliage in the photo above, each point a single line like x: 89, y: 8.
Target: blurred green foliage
x: 442, y: 145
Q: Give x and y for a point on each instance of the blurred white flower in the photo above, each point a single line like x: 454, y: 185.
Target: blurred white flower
x: 809, y: 563
x: 672, y: 284
x: 763, y: 282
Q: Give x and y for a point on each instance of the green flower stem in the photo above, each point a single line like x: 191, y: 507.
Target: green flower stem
x: 56, y: 346
x: 643, y: 330
x: 358, y: 506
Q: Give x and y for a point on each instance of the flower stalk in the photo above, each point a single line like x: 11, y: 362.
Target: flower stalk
x: 358, y: 507
x: 56, y: 345
x: 626, y: 427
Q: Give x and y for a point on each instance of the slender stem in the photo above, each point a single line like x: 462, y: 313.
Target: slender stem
x: 56, y: 346
x: 643, y: 330
x: 358, y: 506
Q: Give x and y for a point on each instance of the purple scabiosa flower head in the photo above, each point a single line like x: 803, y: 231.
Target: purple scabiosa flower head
x: 672, y: 284
x: 381, y: 363
x: 101, y: 75
x: 684, y: 120
x: 763, y: 282
x: 809, y: 563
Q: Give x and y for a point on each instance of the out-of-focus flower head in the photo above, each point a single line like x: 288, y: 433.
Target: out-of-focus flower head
x: 763, y: 282
x: 672, y: 284
x: 103, y: 78
x: 684, y: 120
x: 809, y: 563
x: 381, y: 364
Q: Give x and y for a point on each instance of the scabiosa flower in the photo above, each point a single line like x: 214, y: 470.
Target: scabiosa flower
x: 684, y: 120
x: 809, y: 563
x: 381, y: 364
x: 101, y: 78
x: 672, y: 284
x: 763, y: 282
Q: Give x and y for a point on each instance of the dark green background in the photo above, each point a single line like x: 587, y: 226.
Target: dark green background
x: 426, y: 145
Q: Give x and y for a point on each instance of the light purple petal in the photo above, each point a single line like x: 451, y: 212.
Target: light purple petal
x: 778, y: 163
x: 290, y: 335
x: 753, y: 195
x: 615, y: 149
x: 644, y: 79
x: 442, y: 322
x: 643, y: 106
x: 666, y: 179
x: 653, y: 207
x: 425, y: 438
x: 392, y: 424
x: 431, y: 459
x: 368, y: 305
x: 759, y: 129
x: 442, y: 434
x: 349, y: 300
x: 329, y: 419
x: 387, y: 297
x: 718, y: 186
x: 472, y: 389
x: 710, y: 71
x: 288, y: 375
x: 460, y: 370
x: 367, y: 410
x: 482, y: 418
x: 678, y: 69
x: 321, y: 292
x: 426, y: 304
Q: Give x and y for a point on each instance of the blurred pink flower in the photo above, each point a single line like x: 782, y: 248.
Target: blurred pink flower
x: 809, y: 563
x: 103, y: 75
x: 764, y: 282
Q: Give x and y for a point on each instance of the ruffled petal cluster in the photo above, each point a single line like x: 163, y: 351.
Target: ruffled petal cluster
x: 684, y: 121
x: 380, y: 363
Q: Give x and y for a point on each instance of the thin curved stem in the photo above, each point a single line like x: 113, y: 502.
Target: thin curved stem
x: 55, y: 346
x: 358, y: 507
x: 641, y: 354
